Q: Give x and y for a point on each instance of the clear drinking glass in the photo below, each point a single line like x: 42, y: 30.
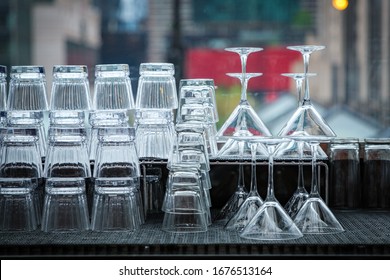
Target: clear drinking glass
x: 155, y: 133
x: 185, y: 205
x: 18, y: 204
x: 376, y: 176
x: 67, y: 153
x: 152, y: 189
x: 65, y: 205
x: 27, y: 101
x: 116, y: 205
x: 19, y: 154
x: 70, y: 97
x: 345, y: 187
x: 112, y: 89
x: 116, y: 154
x: 156, y: 87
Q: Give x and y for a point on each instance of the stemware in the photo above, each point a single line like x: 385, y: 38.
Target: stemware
x: 271, y: 222
x: 315, y: 217
x: 3, y: 94
x: 251, y: 204
x: 243, y: 119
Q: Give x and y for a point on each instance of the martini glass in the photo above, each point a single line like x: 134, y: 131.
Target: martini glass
x: 243, y: 120
x: 315, y: 217
x: 240, y: 194
x: 271, y: 222
x: 251, y: 204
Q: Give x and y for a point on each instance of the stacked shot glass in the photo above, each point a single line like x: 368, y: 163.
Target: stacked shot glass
x: 187, y: 198
x: 22, y: 137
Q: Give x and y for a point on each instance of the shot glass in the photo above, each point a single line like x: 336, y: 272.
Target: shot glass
x: 20, y: 156
x: 18, y: 204
x: 27, y: 100
x: 67, y: 154
x: 155, y: 133
x: 156, y: 87
x: 116, y: 154
x: 116, y: 205
x: 70, y: 94
x: 65, y: 205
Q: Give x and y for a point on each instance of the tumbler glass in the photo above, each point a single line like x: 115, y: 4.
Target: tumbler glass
x: 27, y: 101
x: 156, y: 87
x: 18, y: 204
x: 116, y: 154
x: 345, y: 188
x: 69, y: 94
x: 116, y: 205
x: 376, y: 176
x: 155, y: 133
x: 67, y: 153
x: 19, y: 154
x: 65, y: 206
x: 112, y: 88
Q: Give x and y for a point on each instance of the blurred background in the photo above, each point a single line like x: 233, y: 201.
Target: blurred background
x: 351, y: 89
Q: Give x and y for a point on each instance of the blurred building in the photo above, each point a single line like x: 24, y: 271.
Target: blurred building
x: 49, y: 32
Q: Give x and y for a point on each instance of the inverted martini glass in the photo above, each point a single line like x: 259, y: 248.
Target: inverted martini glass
x: 251, y: 204
x: 314, y: 217
x: 271, y: 222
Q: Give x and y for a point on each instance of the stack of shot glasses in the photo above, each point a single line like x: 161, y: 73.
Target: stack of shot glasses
x: 117, y: 201
x: 67, y: 167
x: 21, y: 147
x: 187, y: 198
x: 156, y: 102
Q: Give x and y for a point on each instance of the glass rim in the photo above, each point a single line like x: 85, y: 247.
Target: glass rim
x: 70, y: 69
x: 382, y: 140
x: 24, y: 69
x: 113, y: 69
x: 344, y: 140
x: 157, y: 68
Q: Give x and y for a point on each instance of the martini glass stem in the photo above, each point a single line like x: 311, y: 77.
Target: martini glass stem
x: 241, y: 181
x: 301, y: 184
x: 270, y: 188
x: 314, y: 182
x: 253, y: 189
x: 298, y: 83
x: 244, y: 86
x: 306, y: 58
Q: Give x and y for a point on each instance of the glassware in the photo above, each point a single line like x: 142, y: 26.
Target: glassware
x: 65, y: 206
x: 315, y: 217
x: 20, y: 156
x: 345, y: 187
x: 112, y: 89
x: 376, y: 176
x: 67, y: 153
x: 155, y: 133
x: 116, y: 154
x: 271, y: 222
x: 3, y: 94
x: 251, y: 204
x: 116, y: 206
x: 18, y: 204
x: 27, y: 101
x: 113, y: 97
x: 70, y: 97
x: 185, y: 206
x: 243, y: 121
x: 156, y: 87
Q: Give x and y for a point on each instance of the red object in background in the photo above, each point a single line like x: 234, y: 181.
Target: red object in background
x: 214, y: 64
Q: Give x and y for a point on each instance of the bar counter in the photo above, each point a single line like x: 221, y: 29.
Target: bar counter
x: 367, y: 234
